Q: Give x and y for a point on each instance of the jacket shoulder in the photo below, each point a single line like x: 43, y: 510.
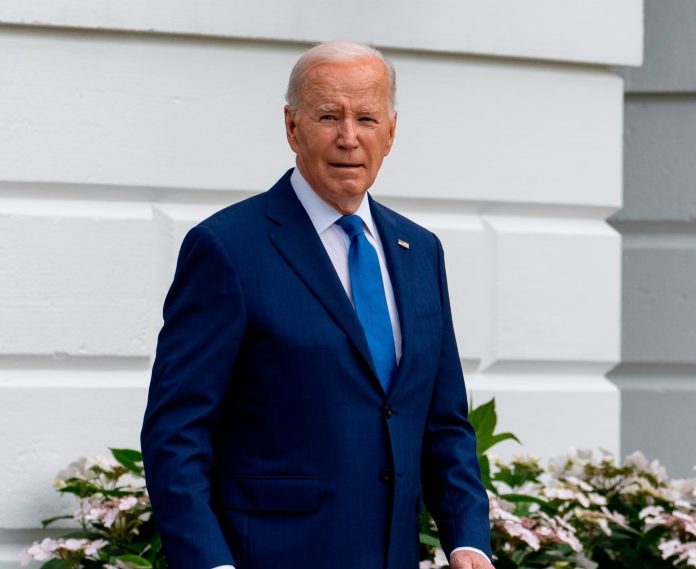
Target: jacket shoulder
x: 247, y: 216
x: 237, y: 217
x: 405, y: 225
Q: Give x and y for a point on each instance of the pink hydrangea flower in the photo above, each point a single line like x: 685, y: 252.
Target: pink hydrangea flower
x: 48, y: 548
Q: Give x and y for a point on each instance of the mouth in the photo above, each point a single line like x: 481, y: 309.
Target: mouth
x: 345, y: 165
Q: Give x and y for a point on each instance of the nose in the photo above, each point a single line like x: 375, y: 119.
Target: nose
x: 347, y: 134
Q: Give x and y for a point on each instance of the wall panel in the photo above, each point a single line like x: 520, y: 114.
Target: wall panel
x: 544, y: 29
x: 557, y: 291
x: 75, y: 278
x: 178, y: 114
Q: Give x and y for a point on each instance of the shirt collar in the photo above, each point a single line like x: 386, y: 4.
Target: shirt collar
x: 321, y: 214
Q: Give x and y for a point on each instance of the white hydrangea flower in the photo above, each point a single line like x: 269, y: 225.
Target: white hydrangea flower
x: 638, y: 460
x: 76, y: 469
x: 107, y: 464
x: 92, y: 548
x: 39, y: 551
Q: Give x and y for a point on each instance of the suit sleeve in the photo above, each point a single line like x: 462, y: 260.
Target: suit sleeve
x: 204, y: 321
x: 451, y: 477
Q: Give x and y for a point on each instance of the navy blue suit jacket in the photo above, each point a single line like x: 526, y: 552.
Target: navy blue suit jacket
x: 268, y: 440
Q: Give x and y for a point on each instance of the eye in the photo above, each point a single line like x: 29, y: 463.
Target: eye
x: 368, y: 120
x: 327, y: 117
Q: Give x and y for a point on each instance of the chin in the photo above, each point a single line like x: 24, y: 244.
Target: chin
x: 346, y: 186
x: 356, y: 191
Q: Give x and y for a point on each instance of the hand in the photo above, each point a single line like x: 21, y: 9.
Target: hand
x: 469, y: 560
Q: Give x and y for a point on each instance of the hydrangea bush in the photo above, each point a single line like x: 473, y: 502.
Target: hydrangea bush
x: 114, y: 522
x: 581, y: 511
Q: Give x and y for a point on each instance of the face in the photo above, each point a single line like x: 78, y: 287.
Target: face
x: 342, y: 129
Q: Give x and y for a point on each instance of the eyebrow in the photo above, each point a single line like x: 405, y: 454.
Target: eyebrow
x: 331, y: 108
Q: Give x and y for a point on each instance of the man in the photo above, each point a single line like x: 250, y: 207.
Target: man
x: 307, y: 383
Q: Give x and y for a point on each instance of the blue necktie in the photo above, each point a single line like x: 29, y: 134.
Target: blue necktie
x: 369, y: 298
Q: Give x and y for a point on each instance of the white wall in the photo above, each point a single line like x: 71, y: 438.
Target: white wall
x: 121, y: 125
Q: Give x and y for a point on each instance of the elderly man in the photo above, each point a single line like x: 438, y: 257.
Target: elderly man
x: 307, y: 393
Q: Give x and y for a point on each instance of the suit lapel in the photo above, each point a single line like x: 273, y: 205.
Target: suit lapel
x: 400, y: 271
x: 300, y: 246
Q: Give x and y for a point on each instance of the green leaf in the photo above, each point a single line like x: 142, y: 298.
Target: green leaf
x: 518, y: 556
x: 427, y: 539
x: 485, y: 467
x: 155, y: 547
x: 55, y: 564
x: 494, y: 440
x: 79, y: 487
x: 47, y: 522
x: 484, y: 418
x: 518, y: 474
x: 424, y: 521
x: 129, y: 459
x: 652, y: 536
x: 524, y: 499
x: 132, y: 561
x: 118, y: 492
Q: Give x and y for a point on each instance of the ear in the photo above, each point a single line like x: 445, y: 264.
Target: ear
x: 392, y: 132
x: 290, y: 128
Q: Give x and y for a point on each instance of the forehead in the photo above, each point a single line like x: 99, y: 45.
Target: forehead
x: 363, y: 79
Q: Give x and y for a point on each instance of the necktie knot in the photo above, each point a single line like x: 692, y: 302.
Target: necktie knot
x: 352, y: 225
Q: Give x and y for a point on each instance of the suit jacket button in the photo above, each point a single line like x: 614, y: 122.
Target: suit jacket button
x: 387, y: 475
x: 388, y: 411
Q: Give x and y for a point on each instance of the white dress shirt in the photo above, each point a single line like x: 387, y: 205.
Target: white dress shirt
x: 337, y: 243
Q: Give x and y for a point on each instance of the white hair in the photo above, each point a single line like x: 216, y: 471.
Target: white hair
x: 338, y: 51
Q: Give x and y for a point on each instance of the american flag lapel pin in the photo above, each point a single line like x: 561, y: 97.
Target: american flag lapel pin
x: 403, y: 243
